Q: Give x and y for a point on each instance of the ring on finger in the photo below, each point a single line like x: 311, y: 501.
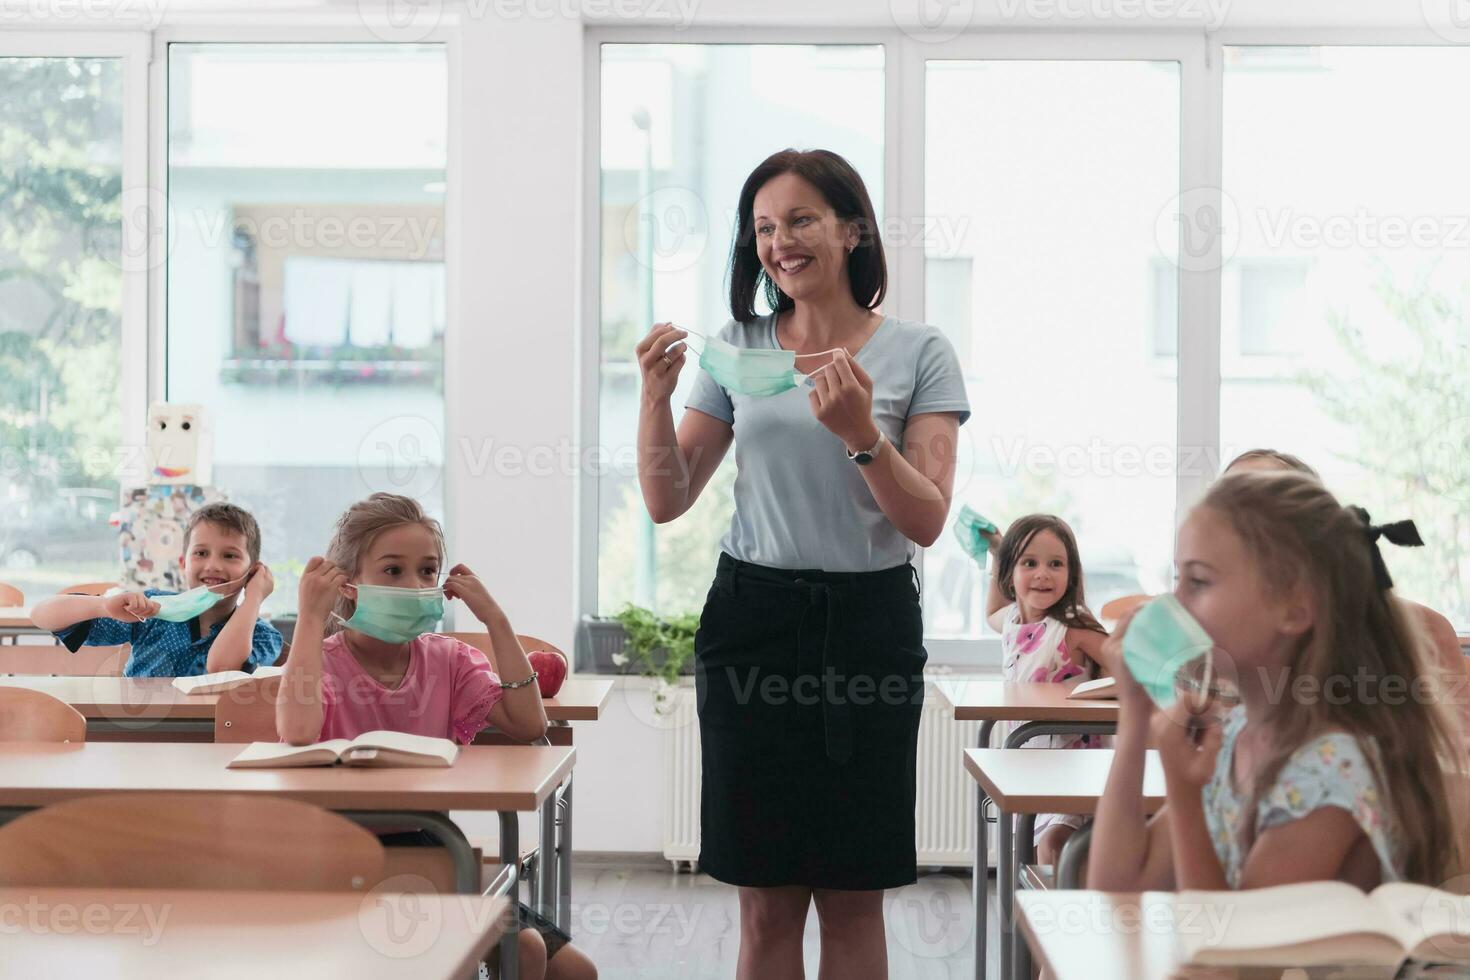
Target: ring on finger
x: 665, y: 359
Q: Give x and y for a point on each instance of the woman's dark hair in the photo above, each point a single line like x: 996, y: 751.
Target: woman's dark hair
x: 842, y: 188
x: 1071, y: 608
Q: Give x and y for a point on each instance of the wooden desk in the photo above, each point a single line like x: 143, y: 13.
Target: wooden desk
x: 246, y: 935
x: 580, y: 699
x: 988, y: 702
x: 1024, y: 783
x: 16, y: 621
x: 1087, y: 935
x: 507, y: 779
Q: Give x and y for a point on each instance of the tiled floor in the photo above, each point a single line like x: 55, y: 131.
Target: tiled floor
x: 647, y: 922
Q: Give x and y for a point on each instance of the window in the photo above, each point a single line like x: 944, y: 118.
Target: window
x: 682, y: 125
x: 1056, y: 173
x: 61, y: 134
x: 1354, y: 271
x: 306, y: 288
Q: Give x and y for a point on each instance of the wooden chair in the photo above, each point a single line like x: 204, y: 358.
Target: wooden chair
x: 11, y: 596
x: 31, y: 716
x: 56, y: 660
x: 88, y: 588
x: 1115, y: 609
x: 188, y: 840
x: 248, y: 713
x: 481, y: 642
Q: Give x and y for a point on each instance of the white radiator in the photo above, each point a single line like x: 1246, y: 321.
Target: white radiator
x: 945, y: 817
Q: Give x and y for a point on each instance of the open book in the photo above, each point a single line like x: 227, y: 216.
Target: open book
x: 1102, y: 689
x: 222, y: 680
x: 1324, y: 922
x: 378, y: 749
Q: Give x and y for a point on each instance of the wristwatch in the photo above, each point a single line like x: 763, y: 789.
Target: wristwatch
x: 865, y: 456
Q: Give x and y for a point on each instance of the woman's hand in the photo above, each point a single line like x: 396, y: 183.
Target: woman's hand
x: 659, y: 367
x: 465, y: 585
x: 321, y: 583
x: 842, y: 400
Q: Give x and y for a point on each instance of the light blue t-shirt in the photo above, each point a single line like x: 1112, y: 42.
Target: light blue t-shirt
x: 799, y: 501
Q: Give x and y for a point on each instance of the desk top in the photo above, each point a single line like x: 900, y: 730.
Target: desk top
x: 246, y: 935
x: 484, y: 777
x: 144, y: 698
x: 1054, y: 780
x: 977, y: 700
x: 1088, y: 935
x: 16, y: 617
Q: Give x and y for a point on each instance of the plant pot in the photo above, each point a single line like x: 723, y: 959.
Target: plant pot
x: 600, y: 639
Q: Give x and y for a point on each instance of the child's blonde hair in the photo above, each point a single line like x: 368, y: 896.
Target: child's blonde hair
x: 359, y: 526
x: 1299, y: 536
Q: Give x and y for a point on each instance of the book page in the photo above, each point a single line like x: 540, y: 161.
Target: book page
x: 424, y: 745
x: 222, y: 680
x: 1280, y: 918
x: 1434, y: 924
x: 266, y: 754
x: 1103, y: 688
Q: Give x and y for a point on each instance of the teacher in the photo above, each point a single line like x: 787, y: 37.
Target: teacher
x: 809, y: 656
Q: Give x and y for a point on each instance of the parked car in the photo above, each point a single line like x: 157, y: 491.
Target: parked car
x: 69, y: 526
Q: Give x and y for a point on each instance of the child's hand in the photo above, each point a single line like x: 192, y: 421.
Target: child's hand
x: 321, y: 584
x: 464, y: 585
x: 261, y: 583
x: 1188, y: 743
x: 993, y: 539
x: 130, y: 607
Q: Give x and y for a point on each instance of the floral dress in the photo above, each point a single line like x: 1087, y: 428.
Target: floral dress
x: 1330, y: 770
x: 1037, y: 653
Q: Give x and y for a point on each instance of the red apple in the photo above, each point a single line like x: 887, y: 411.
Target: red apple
x: 551, y: 669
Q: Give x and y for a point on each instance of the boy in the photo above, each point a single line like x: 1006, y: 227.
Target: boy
x: 221, y: 548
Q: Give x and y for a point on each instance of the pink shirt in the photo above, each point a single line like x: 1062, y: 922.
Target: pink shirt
x: 447, y: 692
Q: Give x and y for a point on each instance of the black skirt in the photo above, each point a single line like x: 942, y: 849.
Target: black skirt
x: 810, y: 687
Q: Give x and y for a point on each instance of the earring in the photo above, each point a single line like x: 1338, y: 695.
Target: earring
x: 850, y: 247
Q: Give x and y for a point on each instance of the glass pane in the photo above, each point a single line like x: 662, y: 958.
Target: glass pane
x: 60, y: 320
x: 1345, y: 312
x: 1053, y: 179
x: 306, y: 277
x: 683, y: 125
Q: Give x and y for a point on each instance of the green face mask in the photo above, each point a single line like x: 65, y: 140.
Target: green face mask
x: 970, y: 528
x: 1161, y: 639
x: 760, y: 372
x: 395, y: 615
x: 184, y: 606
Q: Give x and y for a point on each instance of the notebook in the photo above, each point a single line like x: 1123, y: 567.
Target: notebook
x: 1104, y: 688
x: 222, y: 680
x: 375, y: 749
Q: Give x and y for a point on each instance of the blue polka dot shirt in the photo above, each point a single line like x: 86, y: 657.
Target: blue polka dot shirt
x: 165, y: 649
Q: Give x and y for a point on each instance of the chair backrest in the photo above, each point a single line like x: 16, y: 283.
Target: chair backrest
x: 188, y: 840
x: 11, y: 596
x: 1115, y: 609
x: 88, y: 588
x: 248, y: 713
x: 55, y: 660
x: 31, y: 716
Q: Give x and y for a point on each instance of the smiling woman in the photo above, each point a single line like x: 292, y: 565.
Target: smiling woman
x: 809, y: 656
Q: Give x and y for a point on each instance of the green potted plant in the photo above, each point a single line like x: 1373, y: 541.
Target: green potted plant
x: 657, y: 647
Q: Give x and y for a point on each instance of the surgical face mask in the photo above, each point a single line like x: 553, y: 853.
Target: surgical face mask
x: 1163, y: 638
x: 970, y: 528
x: 395, y: 615
x: 184, y: 606
x: 756, y: 371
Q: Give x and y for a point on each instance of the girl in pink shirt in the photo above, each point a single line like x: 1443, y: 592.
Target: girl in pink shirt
x: 374, y: 597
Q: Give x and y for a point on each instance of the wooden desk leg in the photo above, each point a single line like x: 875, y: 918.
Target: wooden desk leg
x: 510, y: 857
x: 980, y: 882
x: 1005, y: 886
x: 564, y: 860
